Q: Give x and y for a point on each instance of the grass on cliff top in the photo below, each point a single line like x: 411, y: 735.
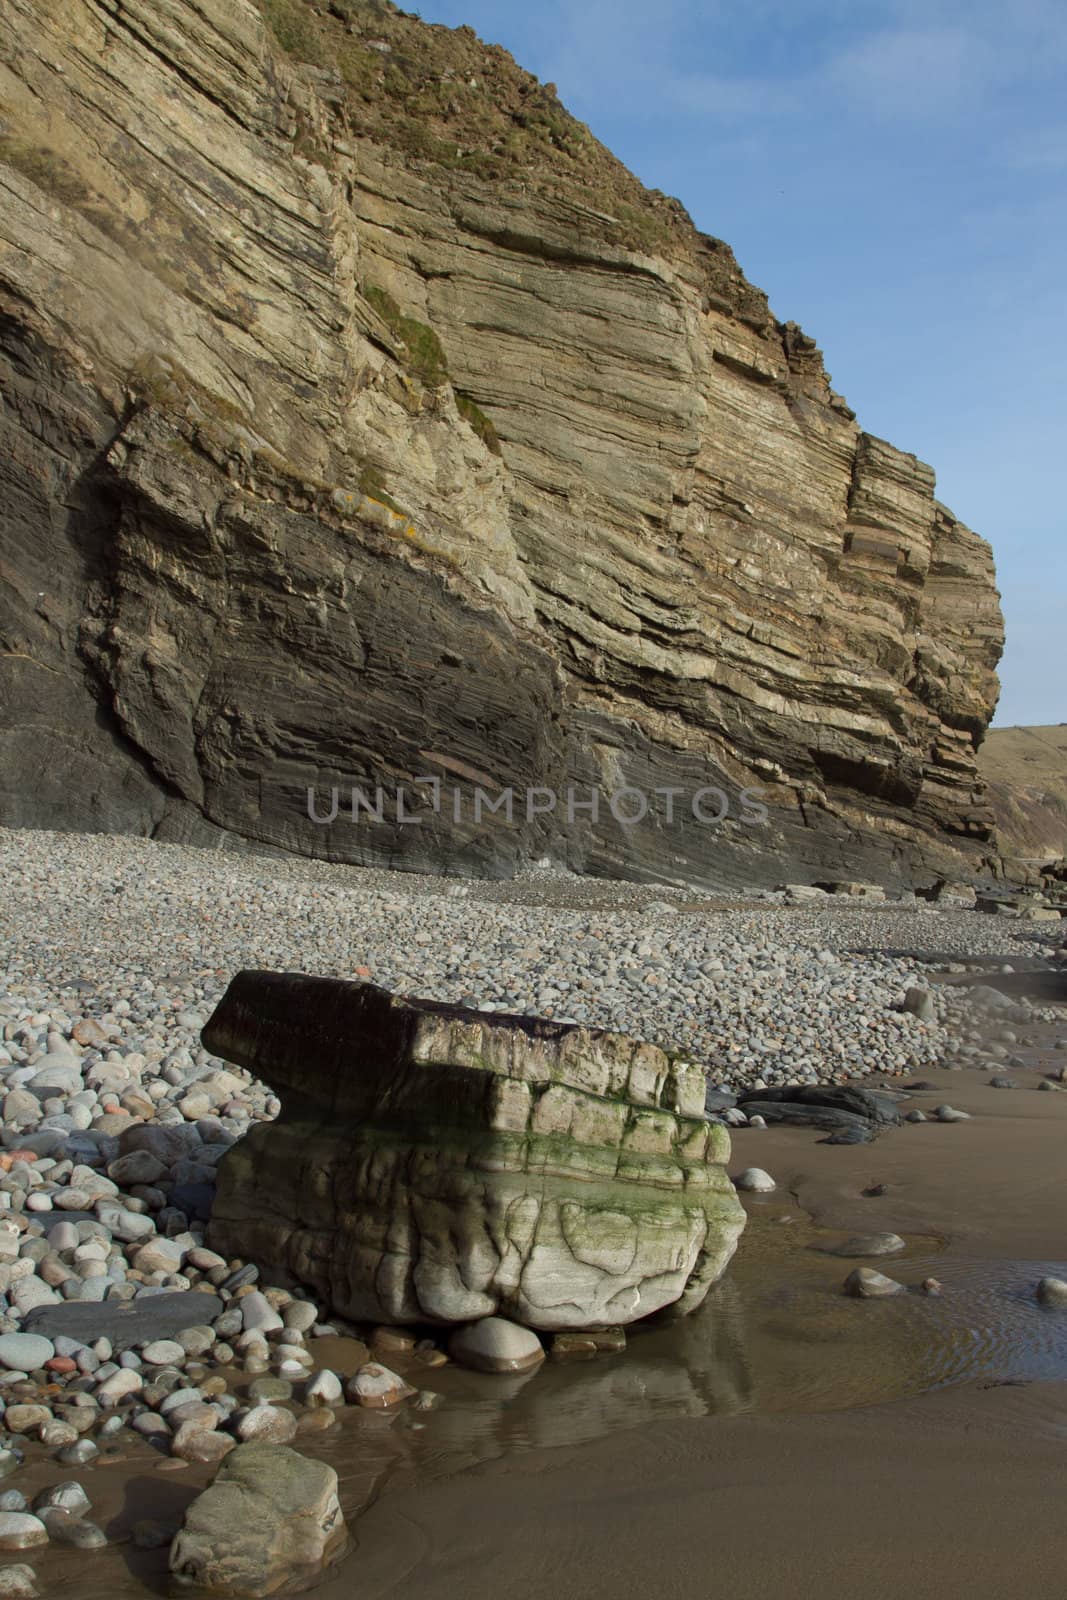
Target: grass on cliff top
x: 441, y: 96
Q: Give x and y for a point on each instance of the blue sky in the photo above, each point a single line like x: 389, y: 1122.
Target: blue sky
x: 894, y: 175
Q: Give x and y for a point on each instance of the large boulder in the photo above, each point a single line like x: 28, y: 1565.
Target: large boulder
x: 270, y: 1520
x: 435, y: 1164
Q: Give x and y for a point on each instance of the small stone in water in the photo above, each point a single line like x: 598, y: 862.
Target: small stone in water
x: 20, y: 1531
x: 866, y: 1284
x: 18, y: 1583
x: 496, y: 1345
x: 68, y: 1496
x: 869, y: 1244
x: 754, y: 1181
x: 376, y: 1387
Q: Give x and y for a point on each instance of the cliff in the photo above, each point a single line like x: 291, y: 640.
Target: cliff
x: 364, y: 420
x: 1026, y: 771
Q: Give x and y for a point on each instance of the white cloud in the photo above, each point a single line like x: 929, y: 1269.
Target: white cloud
x: 914, y: 71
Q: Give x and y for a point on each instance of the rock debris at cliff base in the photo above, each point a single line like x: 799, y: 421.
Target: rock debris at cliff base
x: 762, y: 994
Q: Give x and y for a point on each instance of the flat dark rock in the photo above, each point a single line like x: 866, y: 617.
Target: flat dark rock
x: 719, y: 1100
x: 864, y: 1103
x: 125, y: 1322
x: 792, y: 1114
x: 860, y: 1134
x: 195, y: 1199
x: 48, y: 1219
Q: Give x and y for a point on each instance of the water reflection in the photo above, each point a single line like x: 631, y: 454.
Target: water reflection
x: 776, y: 1335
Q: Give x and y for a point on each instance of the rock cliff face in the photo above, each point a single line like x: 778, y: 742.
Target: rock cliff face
x: 1026, y: 770
x: 364, y: 421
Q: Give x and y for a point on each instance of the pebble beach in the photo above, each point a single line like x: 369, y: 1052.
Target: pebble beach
x: 115, y: 951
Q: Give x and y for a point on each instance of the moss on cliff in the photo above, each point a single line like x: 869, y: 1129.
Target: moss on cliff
x: 471, y: 412
x: 425, y: 359
x: 423, y: 352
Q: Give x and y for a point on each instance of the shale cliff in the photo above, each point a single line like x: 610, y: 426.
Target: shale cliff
x: 363, y: 420
x: 1026, y: 771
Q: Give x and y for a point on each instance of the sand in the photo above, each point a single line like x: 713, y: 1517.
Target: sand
x: 955, y: 1493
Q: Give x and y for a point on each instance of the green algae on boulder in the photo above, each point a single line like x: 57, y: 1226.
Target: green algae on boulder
x: 436, y: 1164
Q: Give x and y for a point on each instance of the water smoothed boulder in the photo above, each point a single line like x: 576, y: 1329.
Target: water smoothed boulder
x: 271, y: 1520
x: 437, y: 1164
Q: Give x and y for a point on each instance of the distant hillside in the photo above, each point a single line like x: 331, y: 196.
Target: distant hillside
x: 1026, y: 770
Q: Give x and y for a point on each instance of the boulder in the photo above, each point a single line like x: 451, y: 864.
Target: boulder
x: 270, y: 1520
x: 436, y: 1164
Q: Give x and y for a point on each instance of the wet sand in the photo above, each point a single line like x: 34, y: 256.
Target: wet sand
x: 951, y: 1494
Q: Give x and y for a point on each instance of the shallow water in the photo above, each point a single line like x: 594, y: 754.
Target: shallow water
x: 776, y: 1336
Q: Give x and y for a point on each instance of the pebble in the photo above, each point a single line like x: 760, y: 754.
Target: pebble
x: 869, y: 1244
x: 77, y: 1455
x: 269, y: 1424
x: 26, y: 1418
x: 1052, y: 1291
x: 18, y: 1582
x: 755, y: 1181
x: 495, y: 1344
x: 950, y: 1114
x: 67, y: 1496
x: 257, y: 1313
x: 25, y: 1352
x: 21, y: 1531
x: 193, y: 1442
x: 376, y: 1387
x: 75, y: 1532
x: 866, y: 1284
x: 324, y: 1389
x: 163, y: 1352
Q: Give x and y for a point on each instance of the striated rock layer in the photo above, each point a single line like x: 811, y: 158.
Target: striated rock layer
x: 1026, y: 770
x: 435, y: 1164
x: 364, y: 421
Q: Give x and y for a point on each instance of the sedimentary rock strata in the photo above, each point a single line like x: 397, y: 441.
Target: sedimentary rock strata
x: 361, y: 426
x: 432, y: 1164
